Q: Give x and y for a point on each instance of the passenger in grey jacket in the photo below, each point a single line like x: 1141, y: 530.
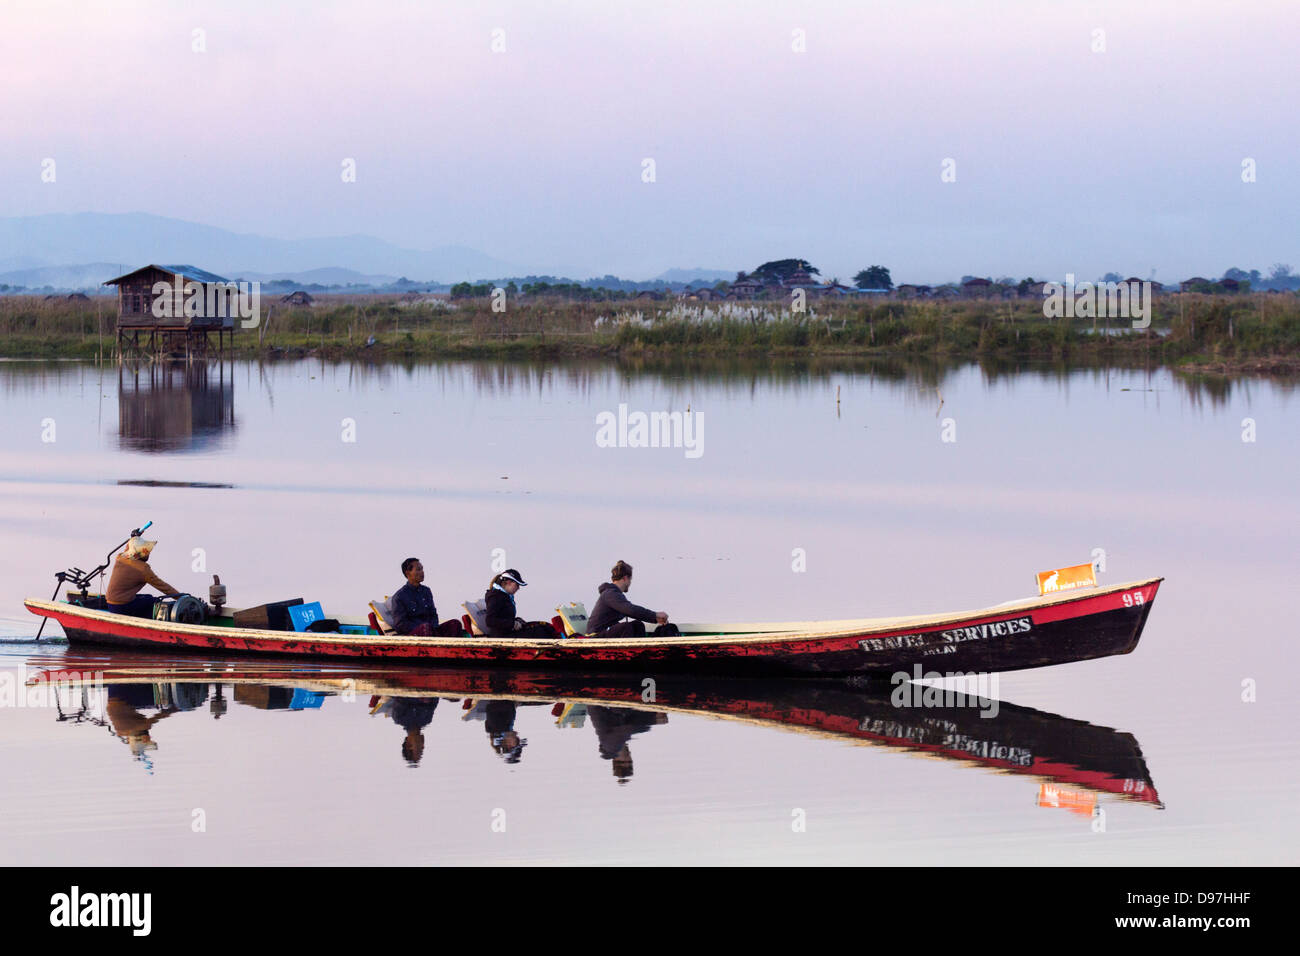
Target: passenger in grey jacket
x: 606, y: 618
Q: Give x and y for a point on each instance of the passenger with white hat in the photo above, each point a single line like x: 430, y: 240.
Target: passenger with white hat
x: 502, y: 620
x: 131, y: 572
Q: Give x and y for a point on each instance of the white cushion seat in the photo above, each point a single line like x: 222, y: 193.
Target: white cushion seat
x: 477, y: 611
x: 384, y: 615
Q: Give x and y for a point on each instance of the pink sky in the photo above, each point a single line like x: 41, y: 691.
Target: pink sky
x: 1067, y: 160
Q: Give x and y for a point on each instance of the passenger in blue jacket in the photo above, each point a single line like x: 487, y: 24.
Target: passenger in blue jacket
x: 606, y: 618
x: 414, y: 613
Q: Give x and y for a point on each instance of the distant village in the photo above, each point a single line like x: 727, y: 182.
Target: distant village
x: 780, y: 279
x: 772, y: 281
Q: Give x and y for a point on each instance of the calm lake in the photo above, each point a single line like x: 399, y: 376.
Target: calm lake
x: 789, y: 492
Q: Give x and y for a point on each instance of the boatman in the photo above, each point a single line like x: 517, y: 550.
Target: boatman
x: 131, y: 572
x: 414, y: 613
x: 606, y: 618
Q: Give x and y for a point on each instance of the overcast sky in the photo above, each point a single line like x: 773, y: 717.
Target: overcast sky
x: 1066, y: 159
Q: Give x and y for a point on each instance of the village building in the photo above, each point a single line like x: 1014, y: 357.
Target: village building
x: 704, y: 294
x: 801, y: 279
x: 171, y: 319
x: 837, y: 290
x: 746, y: 288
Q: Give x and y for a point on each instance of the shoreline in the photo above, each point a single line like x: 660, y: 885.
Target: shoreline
x: 1281, y: 366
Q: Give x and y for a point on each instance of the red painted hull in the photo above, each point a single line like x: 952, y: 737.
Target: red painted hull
x: 1073, y: 626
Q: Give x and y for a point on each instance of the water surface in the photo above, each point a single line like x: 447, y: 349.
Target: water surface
x: 799, y: 507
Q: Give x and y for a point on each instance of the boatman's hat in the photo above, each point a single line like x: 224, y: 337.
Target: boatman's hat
x: 510, y: 574
x: 137, y: 547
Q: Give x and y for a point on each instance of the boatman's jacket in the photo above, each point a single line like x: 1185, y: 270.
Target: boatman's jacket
x: 612, y: 606
x: 129, y: 576
x: 412, y: 606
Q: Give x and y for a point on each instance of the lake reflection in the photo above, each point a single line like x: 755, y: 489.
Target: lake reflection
x: 175, y: 406
x: 131, y: 694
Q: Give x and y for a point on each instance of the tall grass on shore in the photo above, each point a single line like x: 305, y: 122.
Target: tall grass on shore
x: 1185, y: 328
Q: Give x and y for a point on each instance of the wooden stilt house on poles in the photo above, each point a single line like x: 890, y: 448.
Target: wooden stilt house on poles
x: 173, y: 310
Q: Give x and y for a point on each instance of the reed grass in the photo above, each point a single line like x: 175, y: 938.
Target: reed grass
x: 1186, y: 329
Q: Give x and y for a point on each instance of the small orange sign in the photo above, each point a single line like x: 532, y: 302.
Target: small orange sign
x: 1076, y: 801
x: 1066, y: 579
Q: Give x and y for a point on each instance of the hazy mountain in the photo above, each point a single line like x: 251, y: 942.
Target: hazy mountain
x: 136, y: 239
x: 90, y: 276
x: 325, y: 277
x: 78, y: 278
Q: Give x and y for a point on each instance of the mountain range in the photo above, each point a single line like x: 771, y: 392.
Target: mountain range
x: 78, y: 251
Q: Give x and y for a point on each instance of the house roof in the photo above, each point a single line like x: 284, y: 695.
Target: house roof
x: 187, y: 272
x: 800, y: 277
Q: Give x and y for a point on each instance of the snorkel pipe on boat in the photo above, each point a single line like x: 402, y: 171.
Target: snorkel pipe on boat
x: 81, y: 579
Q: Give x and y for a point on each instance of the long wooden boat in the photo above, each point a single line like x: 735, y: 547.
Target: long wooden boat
x: 1059, y: 752
x: 1037, y: 632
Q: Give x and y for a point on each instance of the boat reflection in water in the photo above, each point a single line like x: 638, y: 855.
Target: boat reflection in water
x: 1073, y: 761
x: 175, y: 406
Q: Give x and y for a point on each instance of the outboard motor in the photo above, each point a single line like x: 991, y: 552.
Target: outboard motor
x: 185, y: 609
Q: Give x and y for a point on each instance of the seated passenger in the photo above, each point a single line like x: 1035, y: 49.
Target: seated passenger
x: 502, y: 620
x: 606, y: 618
x: 131, y: 572
x: 414, y: 613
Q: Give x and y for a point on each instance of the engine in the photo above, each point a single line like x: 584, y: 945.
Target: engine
x: 184, y: 609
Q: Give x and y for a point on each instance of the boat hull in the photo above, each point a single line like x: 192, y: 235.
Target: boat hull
x: 1060, y: 629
